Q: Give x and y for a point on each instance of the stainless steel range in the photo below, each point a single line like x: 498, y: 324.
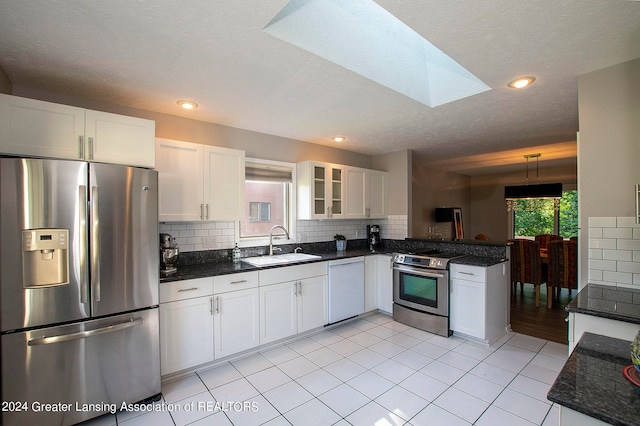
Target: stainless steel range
x: 421, y: 291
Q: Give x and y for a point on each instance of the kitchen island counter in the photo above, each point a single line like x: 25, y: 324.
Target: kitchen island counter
x: 591, y: 381
x: 604, y: 301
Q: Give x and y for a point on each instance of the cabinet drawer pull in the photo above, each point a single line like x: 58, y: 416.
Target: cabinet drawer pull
x: 187, y: 289
x: 466, y: 273
x: 238, y: 282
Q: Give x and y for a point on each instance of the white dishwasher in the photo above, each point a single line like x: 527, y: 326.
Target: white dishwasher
x: 346, y: 288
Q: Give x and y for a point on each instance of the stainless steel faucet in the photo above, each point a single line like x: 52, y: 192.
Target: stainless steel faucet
x: 271, y: 236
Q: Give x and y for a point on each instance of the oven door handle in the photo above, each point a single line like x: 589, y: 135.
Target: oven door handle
x: 418, y: 272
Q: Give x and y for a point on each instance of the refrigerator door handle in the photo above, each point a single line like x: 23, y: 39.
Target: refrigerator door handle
x: 84, y: 334
x: 95, y: 244
x: 82, y: 215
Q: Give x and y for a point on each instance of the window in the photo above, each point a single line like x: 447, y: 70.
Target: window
x: 259, y: 212
x: 269, y: 199
x: 536, y: 216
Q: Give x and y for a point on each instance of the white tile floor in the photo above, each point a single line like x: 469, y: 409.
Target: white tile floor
x: 371, y: 371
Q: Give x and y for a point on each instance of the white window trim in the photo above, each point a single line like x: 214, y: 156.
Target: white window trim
x: 264, y: 241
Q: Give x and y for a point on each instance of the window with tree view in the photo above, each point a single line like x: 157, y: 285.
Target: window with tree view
x: 536, y: 216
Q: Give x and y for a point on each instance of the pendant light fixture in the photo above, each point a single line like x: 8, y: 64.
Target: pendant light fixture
x: 520, y: 192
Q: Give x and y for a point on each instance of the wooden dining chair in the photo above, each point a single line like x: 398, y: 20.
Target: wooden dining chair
x: 545, y: 239
x: 526, y: 266
x: 563, y: 267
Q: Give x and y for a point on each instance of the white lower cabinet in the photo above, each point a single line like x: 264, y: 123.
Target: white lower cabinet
x: 299, y: 304
x: 468, y: 302
x: 235, y: 322
x: 278, y: 311
x: 378, y: 283
x: 479, y: 301
x: 186, y: 334
x: 312, y: 303
x: 207, y: 318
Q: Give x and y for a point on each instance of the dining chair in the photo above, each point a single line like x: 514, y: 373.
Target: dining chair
x: 544, y: 239
x: 563, y: 267
x: 526, y: 266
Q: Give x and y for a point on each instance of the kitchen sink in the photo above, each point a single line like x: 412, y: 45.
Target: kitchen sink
x: 280, y: 259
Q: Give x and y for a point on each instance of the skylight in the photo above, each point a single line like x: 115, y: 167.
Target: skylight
x: 363, y: 37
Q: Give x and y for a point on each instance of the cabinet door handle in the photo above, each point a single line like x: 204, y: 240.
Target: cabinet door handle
x: 368, y: 214
x: 300, y: 290
x: 211, y: 306
x: 328, y: 211
x: 207, y: 214
x: 187, y: 289
x: 80, y: 147
x: 90, y: 148
x: 217, y: 304
x: 238, y: 282
x: 201, y: 212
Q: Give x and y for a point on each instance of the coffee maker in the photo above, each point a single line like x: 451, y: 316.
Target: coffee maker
x: 373, y: 236
x: 168, y: 255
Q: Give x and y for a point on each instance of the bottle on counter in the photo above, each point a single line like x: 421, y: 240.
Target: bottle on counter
x: 235, y: 253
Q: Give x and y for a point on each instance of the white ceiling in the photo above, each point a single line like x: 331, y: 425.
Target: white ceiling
x: 149, y: 54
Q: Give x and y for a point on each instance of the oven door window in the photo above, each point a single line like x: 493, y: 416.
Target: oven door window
x: 418, y: 289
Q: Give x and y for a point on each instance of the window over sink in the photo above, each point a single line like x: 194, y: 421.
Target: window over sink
x: 269, y: 200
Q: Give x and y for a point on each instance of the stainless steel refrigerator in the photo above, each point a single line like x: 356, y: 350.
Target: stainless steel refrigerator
x: 79, y: 272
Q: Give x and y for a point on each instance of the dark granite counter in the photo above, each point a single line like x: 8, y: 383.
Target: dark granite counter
x: 193, y: 265
x: 591, y: 381
x: 482, y: 261
x: 224, y: 267
x: 622, y: 304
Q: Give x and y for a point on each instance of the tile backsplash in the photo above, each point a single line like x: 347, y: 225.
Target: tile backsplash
x: 614, y: 251
x: 199, y: 236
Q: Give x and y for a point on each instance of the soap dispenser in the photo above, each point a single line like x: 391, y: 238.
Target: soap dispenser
x: 235, y: 253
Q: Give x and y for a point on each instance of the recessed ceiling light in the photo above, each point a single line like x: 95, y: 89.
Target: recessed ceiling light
x: 188, y: 104
x: 338, y: 138
x: 521, y: 83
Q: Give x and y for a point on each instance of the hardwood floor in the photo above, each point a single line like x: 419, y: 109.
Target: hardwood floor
x: 548, y: 324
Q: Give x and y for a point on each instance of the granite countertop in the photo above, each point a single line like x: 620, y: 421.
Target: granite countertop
x: 188, y: 272
x: 224, y: 267
x: 479, y: 261
x: 622, y: 304
x: 591, y: 381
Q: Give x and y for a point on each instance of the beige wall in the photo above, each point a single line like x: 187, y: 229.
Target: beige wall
x: 488, y: 207
x: 608, y: 146
x: 5, y: 83
x: 398, y: 165
x: 257, y: 145
x: 433, y: 188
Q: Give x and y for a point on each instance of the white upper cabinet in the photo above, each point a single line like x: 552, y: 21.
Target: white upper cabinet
x: 321, y: 190
x: 366, y: 195
x: 118, y: 139
x: 199, y: 182
x: 333, y: 191
x: 43, y: 129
